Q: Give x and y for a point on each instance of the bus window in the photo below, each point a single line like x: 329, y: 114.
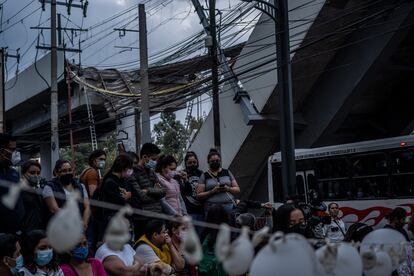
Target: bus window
x: 402, y: 178
x: 333, y: 178
x: 370, y: 176
x: 277, y: 182
x: 300, y: 186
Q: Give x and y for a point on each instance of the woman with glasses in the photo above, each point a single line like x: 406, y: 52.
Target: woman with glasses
x: 58, y: 189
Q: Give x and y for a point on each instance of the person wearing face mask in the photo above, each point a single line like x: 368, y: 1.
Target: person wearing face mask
x: 336, y: 230
x: 91, y: 176
x: 148, y: 193
x: 35, y: 215
x: 11, y: 259
x: 115, y: 189
x: 77, y: 261
x: 189, y: 187
x: 166, y: 171
x: 12, y: 220
x: 290, y: 219
x: 59, y: 188
x: 217, y: 186
x: 177, y: 231
x: 396, y: 220
x: 38, y: 256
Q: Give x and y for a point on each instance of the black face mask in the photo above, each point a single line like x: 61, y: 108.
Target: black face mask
x: 66, y: 179
x: 215, y: 165
x: 192, y: 168
x: 299, y: 228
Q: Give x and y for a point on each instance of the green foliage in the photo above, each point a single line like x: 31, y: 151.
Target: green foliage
x: 170, y: 134
x: 83, y: 150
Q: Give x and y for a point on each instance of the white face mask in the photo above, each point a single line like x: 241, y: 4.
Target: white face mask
x: 15, y: 158
x: 100, y: 164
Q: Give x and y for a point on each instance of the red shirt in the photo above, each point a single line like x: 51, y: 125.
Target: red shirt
x: 97, y: 268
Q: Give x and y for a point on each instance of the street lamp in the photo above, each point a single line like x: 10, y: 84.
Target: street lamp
x: 278, y: 12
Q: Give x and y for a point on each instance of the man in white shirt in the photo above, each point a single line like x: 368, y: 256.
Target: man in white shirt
x: 123, y: 262
x: 335, y: 231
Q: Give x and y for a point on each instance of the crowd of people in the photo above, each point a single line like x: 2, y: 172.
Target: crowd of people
x: 150, y: 182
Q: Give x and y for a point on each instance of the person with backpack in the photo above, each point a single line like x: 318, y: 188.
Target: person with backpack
x: 91, y: 176
x: 217, y: 186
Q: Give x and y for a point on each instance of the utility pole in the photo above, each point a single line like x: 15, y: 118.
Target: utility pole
x: 214, y: 75
x: 284, y: 76
x: 54, y: 116
x: 3, y: 59
x: 279, y: 13
x: 2, y: 94
x: 145, y: 99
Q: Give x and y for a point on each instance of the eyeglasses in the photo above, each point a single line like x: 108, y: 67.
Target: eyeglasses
x: 192, y: 163
x: 66, y: 171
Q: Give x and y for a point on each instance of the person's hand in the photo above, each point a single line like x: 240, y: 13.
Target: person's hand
x: 157, y: 185
x: 216, y: 190
x: 184, y: 175
x: 125, y: 194
x: 267, y: 205
x: 85, y: 226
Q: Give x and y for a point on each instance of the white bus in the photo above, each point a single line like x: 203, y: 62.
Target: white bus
x: 367, y: 179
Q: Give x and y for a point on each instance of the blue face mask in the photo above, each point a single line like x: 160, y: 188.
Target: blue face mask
x: 151, y: 164
x: 43, y: 257
x: 80, y: 253
x: 19, y: 265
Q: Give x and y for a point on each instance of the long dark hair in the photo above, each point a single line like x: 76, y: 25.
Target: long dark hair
x: 213, y: 152
x: 282, y: 217
x: 121, y: 162
x: 163, y: 162
x: 95, y: 154
x: 217, y: 215
x: 29, y: 243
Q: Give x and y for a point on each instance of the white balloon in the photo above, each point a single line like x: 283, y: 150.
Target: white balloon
x: 222, y: 246
x: 260, y: 235
x: 10, y: 199
x: 288, y: 255
x: 240, y: 254
x: 340, y: 259
x: 117, y: 232
x: 66, y: 227
x: 191, y: 245
x: 389, y: 240
x: 382, y: 267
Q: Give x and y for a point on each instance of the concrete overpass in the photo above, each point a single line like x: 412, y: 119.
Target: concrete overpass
x: 352, y: 77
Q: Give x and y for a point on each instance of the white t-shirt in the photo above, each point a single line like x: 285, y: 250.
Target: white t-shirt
x: 126, y: 254
x: 335, y: 231
x: 48, y: 192
x: 146, y: 254
x: 40, y: 272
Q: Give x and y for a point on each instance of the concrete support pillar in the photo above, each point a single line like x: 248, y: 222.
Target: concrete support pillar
x: 45, y: 161
x: 126, y: 130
